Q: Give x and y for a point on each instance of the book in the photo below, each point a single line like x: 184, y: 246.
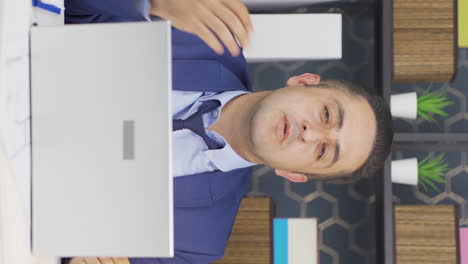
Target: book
x: 463, y: 23
x: 295, y: 241
x: 464, y: 245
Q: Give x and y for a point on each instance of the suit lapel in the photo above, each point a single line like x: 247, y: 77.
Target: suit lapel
x: 203, y: 189
x: 204, y: 75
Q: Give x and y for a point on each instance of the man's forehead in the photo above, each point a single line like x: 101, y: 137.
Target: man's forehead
x: 358, y: 133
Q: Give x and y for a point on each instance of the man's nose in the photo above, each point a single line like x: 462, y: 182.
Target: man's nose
x: 312, y: 134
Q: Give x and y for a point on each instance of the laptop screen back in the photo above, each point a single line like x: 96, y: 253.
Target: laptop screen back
x: 101, y: 140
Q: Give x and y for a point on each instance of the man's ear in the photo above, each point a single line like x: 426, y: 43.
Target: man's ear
x: 303, y: 79
x: 292, y: 176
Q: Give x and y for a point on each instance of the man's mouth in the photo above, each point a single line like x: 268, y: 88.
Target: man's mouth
x: 284, y: 129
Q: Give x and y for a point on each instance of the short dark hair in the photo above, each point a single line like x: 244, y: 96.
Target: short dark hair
x: 383, y: 139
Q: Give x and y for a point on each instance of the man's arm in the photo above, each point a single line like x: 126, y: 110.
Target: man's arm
x: 179, y: 258
x: 201, y: 233
x: 209, y: 20
x: 99, y: 261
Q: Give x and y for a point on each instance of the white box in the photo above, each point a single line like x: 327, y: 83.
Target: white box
x: 280, y: 37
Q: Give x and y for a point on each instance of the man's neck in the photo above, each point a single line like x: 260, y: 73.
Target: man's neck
x: 234, y: 123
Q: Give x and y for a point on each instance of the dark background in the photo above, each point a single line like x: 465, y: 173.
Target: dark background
x: 346, y: 213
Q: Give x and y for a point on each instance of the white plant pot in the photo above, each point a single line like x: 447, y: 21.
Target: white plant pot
x: 404, y: 105
x: 405, y: 171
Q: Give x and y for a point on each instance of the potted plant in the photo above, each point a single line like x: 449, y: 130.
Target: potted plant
x: 409, y: 105
x: 425, y: 173
x: 404, y: 105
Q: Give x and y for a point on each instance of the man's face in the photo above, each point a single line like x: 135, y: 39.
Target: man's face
x: 312, y: 130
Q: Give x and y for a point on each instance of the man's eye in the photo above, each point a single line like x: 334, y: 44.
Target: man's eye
x: 326, y: 115
x: 322, y: 151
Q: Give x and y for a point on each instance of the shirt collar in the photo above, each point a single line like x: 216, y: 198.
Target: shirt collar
x: 225, y: 159
x: 224, y: 97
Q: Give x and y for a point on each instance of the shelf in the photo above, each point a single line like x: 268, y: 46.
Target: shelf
x: 383, y: 81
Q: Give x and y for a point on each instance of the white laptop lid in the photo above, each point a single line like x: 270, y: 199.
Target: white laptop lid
x: 101, y: 140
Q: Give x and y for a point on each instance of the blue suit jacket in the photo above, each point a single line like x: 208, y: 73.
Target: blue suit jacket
x: 205, y: 204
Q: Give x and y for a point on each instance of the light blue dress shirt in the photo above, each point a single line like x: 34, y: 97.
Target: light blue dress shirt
x: 190, y: 154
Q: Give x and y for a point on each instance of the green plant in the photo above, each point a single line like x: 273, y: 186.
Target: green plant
x: 430, y: 171
x: 430, y: 103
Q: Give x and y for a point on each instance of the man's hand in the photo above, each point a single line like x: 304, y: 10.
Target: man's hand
x: 203, y: 17
x: 100, y: 261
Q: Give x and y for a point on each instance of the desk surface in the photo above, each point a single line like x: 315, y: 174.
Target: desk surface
x: 14, y: 155
x: 15, y: 20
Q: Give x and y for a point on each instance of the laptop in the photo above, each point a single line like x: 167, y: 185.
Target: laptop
x: 101, y: 140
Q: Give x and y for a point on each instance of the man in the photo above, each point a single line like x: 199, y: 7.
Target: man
x: 311, y: 129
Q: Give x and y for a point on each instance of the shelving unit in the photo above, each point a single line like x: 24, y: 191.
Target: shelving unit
x: 384, y: 64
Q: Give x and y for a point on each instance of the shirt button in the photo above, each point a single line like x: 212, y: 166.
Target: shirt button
x: 215, y: 113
